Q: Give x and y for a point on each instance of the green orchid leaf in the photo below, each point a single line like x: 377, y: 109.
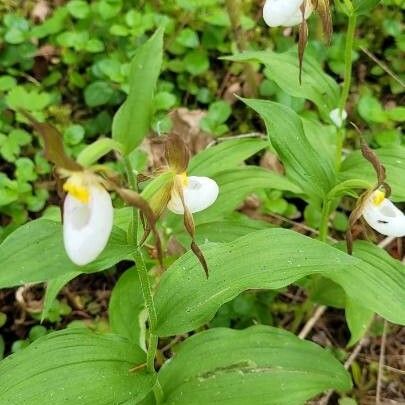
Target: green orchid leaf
x: 271, y: 259
x: 309, y: 168
x: 75, y: 366
x: 236, y: 184
x: 53, y: 288
x: 226, y: 155
x: 283, y: 68
x: 132, y: 121
x: 126, y: 307
x: 93, y: 152
x: 260, y: 364
x: 20, y: 251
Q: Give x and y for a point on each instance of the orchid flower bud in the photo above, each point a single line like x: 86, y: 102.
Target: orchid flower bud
x: 383, y: 216
x: 87, y: 218
x: 286, y: 13
x: 199, y: 193
x: 338, y: 116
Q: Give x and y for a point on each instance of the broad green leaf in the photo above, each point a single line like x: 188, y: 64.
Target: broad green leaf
x: 227, y: 230
x: 224, y: 230
x: 34, y: 253
x: 53, y: 288
x: 126, y: 307
x: 236, y: 184
x: 132, y: 121
x: 355, y: 166
x: 226, y: 155
x: 271, y: 259
x: 258, y: 365
x: 363, y: 7
x: 358, y: 319
x: 325, y: 292
x: 122, y: 217
x: 322, y: 138
x: 316, y: 85
x: 309, y: 168
x: 75, y: 366
x: 93, y: 152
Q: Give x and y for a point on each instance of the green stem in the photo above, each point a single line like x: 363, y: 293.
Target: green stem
x: 351, y: 30
x: 323, y: 229
x: 234, y: 11
x: 133, y: 228
x: 150, y: 308
x: 145, y: 283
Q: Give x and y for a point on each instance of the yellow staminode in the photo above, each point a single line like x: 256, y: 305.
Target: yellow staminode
x: 75, y: 187
x: 378, y: 197
x: 184, y: 179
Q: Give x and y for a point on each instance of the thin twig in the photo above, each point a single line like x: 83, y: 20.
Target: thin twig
x: 383, y: 66
x: 348, y: 363
x: 312, y: 321
x: 241, y: 136
x: 299, y: 225
x: 386, y: 242
x: 394, y: 370
x: 233, y: 8
x: 381, y: 364
x: 355, y: 352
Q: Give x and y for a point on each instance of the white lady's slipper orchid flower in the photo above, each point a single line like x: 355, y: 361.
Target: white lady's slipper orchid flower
x: 199, y: 193
x: 87, y: 218
x: 286, y: 13
x: 383, y: 216
x: 338, y: 117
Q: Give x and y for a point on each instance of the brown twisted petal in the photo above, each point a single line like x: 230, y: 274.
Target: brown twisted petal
x: 302, y: 41
x: 189, y: 225
x: 371, y: 156
x: 323, y: 8
x: 355, y: 215
x: 54, y: 149
x: 177, y: 153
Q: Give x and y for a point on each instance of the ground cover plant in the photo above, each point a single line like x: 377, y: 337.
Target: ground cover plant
x: 191, y: 192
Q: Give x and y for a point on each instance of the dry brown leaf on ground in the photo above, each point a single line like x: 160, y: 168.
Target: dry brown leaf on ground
x: 185, y: 123
x: 40, y: 11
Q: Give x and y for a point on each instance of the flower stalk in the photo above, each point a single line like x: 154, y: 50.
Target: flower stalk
x: 351, y: 30
x: 143, y: 279
x: 323, y: 229
x: 234, y: 11
x: 142, y: 271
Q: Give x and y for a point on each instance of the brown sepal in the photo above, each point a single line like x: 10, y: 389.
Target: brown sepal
x: 54, y: 149
x: 177, y: 153
x: 323, y: 8
x: 136, y: 200
x: 371, y: 156
x: 353, y: 218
